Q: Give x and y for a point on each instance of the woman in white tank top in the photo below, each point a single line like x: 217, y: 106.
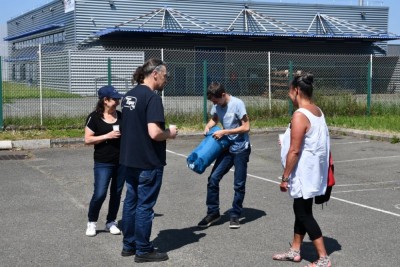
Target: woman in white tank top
x: 305, y: 158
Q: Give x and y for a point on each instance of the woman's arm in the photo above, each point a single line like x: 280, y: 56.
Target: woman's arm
x: 91, y: 139
x: 299, y: 127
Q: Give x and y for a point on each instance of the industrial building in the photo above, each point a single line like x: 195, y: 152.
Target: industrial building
x: 78, y: 34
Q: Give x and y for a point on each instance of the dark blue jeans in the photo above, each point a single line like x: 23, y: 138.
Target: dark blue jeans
x: 142, y: 190
x: 222, y: 165
x: 104, y: 173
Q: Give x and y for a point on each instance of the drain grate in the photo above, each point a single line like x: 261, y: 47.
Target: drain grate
x: 13, y: 157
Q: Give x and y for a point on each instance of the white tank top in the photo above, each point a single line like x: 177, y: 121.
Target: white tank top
x: 309, y: 177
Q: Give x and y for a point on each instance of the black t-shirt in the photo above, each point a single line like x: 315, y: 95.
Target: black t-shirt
x: 141, y: 106
x: 107, y: 151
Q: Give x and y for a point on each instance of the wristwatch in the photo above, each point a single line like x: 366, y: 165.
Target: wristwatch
x: 285, y: 179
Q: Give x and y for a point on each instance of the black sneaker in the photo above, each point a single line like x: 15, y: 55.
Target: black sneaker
x: 208, y: 220
x: 151, y: 256
x: 234, y: 223
x: 127, y: 253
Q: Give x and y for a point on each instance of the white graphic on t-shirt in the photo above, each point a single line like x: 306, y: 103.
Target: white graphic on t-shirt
x: 130, y: 102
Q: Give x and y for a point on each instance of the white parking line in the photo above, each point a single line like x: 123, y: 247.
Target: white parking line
x: 352, y: 160
x: 336, y: 198
x: 368, y: 189
x: 367, y: 207
x: 366, y: 184
x: 346, y: 143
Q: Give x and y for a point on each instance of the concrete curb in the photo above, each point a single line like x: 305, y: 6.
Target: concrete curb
x: 31, y: 144
x: 66, y: 142
x: 387, y: 137
x: 5, y: 144
x: 48, y: 143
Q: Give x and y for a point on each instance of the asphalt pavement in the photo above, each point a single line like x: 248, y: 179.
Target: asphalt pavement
x: 45, y: 194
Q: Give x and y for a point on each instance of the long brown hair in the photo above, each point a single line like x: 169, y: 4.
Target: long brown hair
x: 99, y: 109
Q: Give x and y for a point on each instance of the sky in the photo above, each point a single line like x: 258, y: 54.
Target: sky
x: 13, y: 8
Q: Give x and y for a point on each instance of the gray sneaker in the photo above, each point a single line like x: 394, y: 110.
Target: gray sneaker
x: 234, y: 223
x: 208, y: 220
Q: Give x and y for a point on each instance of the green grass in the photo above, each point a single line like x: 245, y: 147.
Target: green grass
x: 388, y: 124
x: 64, y: 128
x: 340, y: 111
x: 13, y: 90
x: 52, y: 123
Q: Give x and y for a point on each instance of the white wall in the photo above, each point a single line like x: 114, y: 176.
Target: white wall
x: 3, y: 49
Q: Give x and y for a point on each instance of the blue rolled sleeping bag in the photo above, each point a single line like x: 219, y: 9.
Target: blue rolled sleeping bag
x: 207, y: 151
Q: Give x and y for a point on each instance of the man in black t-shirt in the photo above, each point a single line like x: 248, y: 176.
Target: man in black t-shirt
x: 143, y: 157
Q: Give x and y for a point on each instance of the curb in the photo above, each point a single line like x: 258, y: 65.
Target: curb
x: 387, y: 137
x: 31, y: 144
x: 65, y: 142
x: 59, y: 142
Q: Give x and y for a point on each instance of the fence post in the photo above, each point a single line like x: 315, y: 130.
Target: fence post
x: 290, y: 79
x: 269, y: 81
x: 109, y: 71
x: 1, y: 96
x: 40, y: 85
x: 205, y: 91
x: 369, y: 85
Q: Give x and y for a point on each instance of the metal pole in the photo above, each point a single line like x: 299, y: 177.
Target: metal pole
x: 69, y: 72
x: 40, y: 85
x: 1, y: 97
x: 369, y: 84
x: 162, y: 59
x: 109, y: 71
x: 269, y: 80
x: 290, y: 79
x: 205, y: 91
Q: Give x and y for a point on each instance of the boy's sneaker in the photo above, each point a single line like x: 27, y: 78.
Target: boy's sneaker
x: 112, y: 228
x: 151, y: 256
x: 208, y: 220
x: 91, y: 229
x: 234, y: 223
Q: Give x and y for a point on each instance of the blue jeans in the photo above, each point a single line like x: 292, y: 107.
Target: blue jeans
x: 104, y: 173
x: 222, y: 165
x: 142, y: 189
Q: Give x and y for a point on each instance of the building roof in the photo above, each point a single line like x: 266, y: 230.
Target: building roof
x: 170, y: 20
x: 35, y: 31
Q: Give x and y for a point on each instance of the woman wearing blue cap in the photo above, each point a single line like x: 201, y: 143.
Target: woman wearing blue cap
x: 102, y: 131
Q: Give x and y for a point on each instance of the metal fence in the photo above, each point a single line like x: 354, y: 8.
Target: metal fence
x: 45, y: 84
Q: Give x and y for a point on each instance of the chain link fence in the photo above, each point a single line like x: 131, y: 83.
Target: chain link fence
x: 53, y: 85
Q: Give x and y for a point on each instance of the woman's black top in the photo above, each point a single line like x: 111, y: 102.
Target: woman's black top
x: 107, y: 151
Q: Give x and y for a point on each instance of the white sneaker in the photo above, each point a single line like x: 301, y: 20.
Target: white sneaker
x: 91, y: 229
x: 112, y: 228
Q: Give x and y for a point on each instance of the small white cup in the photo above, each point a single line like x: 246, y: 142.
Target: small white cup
x: 281, y: 138
x: 116, y: 128
x: 172, y: 126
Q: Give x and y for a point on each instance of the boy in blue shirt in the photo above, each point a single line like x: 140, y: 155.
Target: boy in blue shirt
x: 231, y: 113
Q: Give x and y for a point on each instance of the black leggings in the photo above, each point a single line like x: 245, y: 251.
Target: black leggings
x: 305, y: 222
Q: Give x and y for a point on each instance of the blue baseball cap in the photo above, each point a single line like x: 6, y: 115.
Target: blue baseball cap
x: 109, y: 91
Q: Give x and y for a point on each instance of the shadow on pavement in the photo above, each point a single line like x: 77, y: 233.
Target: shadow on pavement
x: 309, y: 253
x: 171, y: 239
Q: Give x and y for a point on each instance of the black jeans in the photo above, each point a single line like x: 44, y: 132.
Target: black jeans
x: 304, y: 219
